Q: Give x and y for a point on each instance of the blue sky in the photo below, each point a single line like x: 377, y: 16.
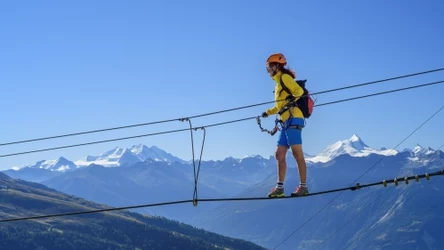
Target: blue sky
x: 73, y: 66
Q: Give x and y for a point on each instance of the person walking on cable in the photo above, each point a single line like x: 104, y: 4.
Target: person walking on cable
x: 287, y: 91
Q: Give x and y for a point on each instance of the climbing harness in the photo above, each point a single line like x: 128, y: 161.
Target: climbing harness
x: 279, y: 124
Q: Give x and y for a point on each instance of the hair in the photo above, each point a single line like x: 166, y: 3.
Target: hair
x: 284, y: 70
x: 288, y: 71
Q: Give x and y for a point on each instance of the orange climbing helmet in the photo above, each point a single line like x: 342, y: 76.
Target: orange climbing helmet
x: 277, y: 58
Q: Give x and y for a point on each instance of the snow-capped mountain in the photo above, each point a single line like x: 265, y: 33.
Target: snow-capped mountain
x: 143, y: 153
x: 421, y: 154
x: 419, y: 150
x: 112, y: 158
x: 61, y: 164
x: 124, y: 157
x: 42, y: 170
x: 353, y: 146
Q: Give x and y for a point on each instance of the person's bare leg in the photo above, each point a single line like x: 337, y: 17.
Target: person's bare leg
x: 281, y: 153
x: 278, y: 191
x: 302, y: 168
x: 298, y: 154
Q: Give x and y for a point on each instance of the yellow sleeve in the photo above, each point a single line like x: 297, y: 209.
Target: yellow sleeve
x: 294, y: 88
x: 278, y: 105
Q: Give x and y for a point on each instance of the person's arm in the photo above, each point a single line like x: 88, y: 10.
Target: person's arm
x: 277, y: 106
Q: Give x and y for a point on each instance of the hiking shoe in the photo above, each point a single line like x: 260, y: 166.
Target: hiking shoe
x: 300, y: 191
x: 276, y: 192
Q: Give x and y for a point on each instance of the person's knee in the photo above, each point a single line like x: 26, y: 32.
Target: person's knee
x: 297, y: 151
x: 280, y: 154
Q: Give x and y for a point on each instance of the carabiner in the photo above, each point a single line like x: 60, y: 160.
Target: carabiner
x: 272, y: 132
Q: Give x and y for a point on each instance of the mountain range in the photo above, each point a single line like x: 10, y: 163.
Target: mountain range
x: 125, y: 177
x: 105, y: 230
x: 117, y: 156
x: 111, y: 158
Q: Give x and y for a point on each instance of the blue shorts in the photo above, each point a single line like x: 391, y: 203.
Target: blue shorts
x: 291, y: 136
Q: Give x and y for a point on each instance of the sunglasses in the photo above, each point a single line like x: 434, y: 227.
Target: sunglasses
x: 269, y: 68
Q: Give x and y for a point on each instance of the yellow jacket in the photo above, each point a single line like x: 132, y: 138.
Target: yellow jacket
x: 279, y: 95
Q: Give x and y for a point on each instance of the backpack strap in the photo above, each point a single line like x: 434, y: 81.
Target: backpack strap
x: 284, y: 87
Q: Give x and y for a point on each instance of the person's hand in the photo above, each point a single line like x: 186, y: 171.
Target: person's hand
x: 264, y: 115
